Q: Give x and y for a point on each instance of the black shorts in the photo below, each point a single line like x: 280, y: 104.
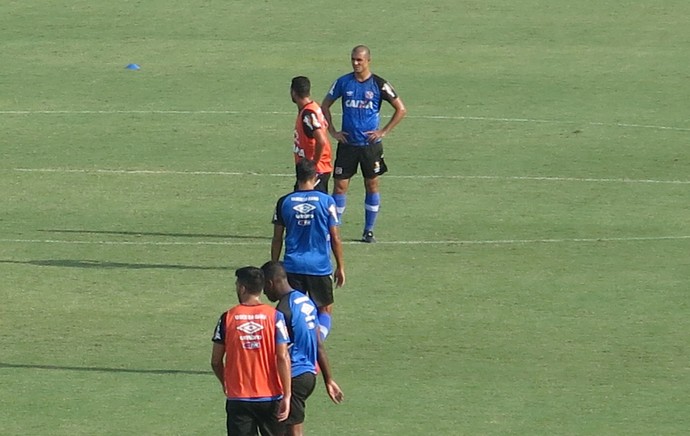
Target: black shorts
x: 302, y: 387
x: 319, y: 288
x: 369, y: 158
x: 246, y: 417
x: 321, y: 183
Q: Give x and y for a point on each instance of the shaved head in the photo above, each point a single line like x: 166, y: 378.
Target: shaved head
x: 363, y: 49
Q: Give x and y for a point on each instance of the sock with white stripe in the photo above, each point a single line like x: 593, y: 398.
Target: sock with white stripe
x: 371, y: 210
x: 340, y: 202
x: 324, y: 324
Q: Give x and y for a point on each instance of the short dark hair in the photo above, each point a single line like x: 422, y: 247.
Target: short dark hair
x: 306, y: 170
x: 273, y: 270
x: 251, y: 278
x: 301, y: 86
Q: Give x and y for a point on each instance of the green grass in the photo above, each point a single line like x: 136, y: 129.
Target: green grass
x: 532, y: 271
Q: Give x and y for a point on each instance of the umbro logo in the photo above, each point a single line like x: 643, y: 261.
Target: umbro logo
x: 250, y: 327
x: 304, y: 208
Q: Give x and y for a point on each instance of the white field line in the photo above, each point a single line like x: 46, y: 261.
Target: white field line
x: 426, y: 117
x: 455, y: 176
x: 442, y: 242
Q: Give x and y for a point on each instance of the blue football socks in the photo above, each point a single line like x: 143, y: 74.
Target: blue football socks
x: 340, y: 201
x: 371, y: 210
x: 324, y: 324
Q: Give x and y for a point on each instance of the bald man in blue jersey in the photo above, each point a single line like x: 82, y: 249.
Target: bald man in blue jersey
x: 306, y: 347
x: 307, y: 221
x: 359, y: 140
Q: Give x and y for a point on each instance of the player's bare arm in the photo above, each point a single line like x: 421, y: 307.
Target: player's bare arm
x: 217, y: 355
x: 321, y: 140
x: 326, y: 109
x: 337, y: 249
x: 277, y: 242
x: 283, y: 358
x: 332, y: 388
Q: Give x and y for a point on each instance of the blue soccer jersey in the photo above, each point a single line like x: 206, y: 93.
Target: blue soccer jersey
x: 307, y: 217
x: 303, y: 327
x: 361, y: 104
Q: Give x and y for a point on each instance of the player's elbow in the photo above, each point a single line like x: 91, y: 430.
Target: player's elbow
x: 283, y: 357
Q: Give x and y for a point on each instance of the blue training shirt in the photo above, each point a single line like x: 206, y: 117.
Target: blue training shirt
x: 307, y: 217
x: 303, y: 328
x: 361, y: 104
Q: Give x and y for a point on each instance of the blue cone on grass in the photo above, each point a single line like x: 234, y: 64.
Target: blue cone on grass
x: 134, y: 67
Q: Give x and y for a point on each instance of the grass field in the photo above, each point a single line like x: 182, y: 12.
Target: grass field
x: 533, y: 268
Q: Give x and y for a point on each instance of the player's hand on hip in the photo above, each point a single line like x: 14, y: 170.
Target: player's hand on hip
x: 340, y: 137
x: 375, y: 136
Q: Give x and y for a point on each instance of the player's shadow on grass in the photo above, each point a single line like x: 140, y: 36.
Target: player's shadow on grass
x: 103, y: 369
x: 133, y: 233
x: 72, y: 263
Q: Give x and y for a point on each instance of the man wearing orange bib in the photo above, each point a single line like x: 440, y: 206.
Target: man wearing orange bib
x: 311, y: 132
x: 250, y: 359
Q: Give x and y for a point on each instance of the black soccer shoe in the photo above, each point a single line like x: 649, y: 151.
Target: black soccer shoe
x: 368, y: 237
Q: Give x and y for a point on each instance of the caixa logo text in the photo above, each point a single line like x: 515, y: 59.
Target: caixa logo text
x: 359, y: 104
